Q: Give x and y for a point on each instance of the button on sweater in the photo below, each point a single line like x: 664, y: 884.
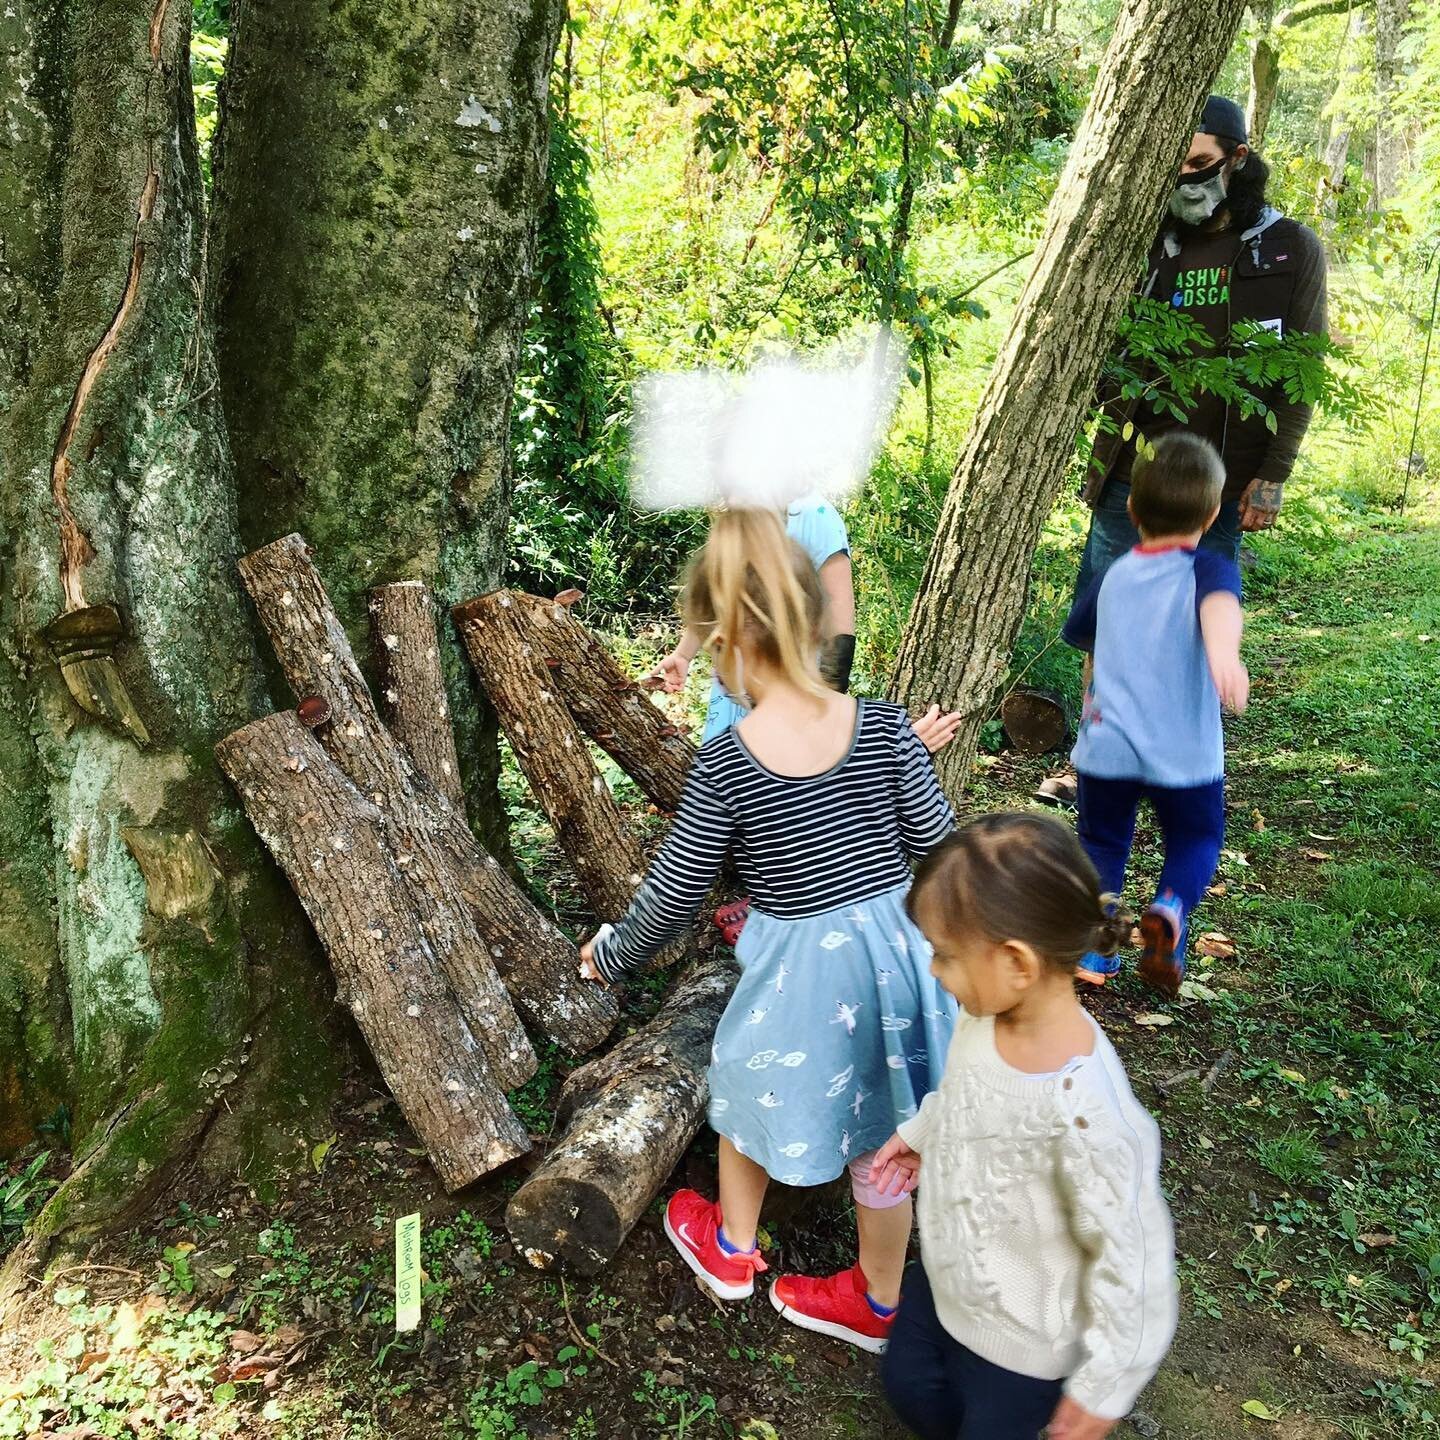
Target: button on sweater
x: 1048, y: 1244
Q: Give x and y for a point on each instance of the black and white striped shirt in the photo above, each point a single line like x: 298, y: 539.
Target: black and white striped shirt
x: 804, y: 845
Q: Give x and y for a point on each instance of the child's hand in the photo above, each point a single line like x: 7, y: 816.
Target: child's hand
x: 1071, y: 1422
x: 896, y: 1167
x: 935, y: 730
x: 1232, y: 680
x: 588, y: 969
x: 671, y: 672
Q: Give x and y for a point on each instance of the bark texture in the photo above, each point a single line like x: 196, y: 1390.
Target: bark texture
x: 142, y: 929
x: 378, y: 173
x: 331, y: 842
x: 1161, y: 61
x: 629, y: 1116
x: 552, y: 752
x: 609, y: 706
x: 1391, y: 18
x: 413, y: 701
x: 315, y: 654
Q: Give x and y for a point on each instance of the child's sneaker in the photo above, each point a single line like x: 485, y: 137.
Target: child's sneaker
x: 693, y: 1224
x: 1162, y: 928
x: 730, y: 920
x: 835, y: 1306
x: 1097, y: 969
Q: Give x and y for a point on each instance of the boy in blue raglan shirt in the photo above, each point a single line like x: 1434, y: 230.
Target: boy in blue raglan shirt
x: 1163, y: 626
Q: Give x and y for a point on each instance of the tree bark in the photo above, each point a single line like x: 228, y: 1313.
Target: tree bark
x: 629, y: 1116
x: 332, y: 844
x: 1161, y: 61
x: 413, y: 701
x: 609, y: 706
x: 552, y: 752
x: 1391, y: 17
x: 1264, y: 73
x: 378, y: 173
x: 315, y: 655
x: 143, y: 932
x: 539, y: 965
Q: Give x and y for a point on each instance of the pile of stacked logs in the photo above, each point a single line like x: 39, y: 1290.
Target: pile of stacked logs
x: 437, y: 952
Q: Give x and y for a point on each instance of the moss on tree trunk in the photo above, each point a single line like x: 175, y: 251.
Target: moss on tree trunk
x: 378, y: 174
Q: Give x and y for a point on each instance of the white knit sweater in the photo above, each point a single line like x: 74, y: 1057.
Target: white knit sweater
x: 1047, y: 1242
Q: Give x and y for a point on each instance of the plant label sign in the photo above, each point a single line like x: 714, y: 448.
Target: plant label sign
x: 407, y: 1273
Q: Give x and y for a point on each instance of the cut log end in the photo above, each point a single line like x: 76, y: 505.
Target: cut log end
x: 562, y: 1220
x: 1034, y: 720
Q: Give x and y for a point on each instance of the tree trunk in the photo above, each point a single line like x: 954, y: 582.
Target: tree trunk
x: 143, y: 933
x: 378, y: 173
x: 1264, y: 74
x: 1160, y: 64
x: 332, y: 844
x: 1391, y: 17
x: 552, y: 752
x: 629, y: 1116
x: 413, y: 701
x: 609, y: 706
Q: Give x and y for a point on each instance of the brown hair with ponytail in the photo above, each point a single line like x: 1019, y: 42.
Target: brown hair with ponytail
x: 1019, y: 876
x: 752, y: 585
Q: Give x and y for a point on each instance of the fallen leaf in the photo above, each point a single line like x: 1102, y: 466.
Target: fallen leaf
x: 1215, y: 946
x: 1259, y: 1231
x: 222, y: 1272
x: 1217, y: 889
x: 1155, y: 1020
x: 318, y: 1154
x: 1376, y: 1241
x: 1196, y: 990
x: 1257, y: 822
x: 1316, y: 835
x: 1294, y: 1075
x: 1206, y: 1143
x: 1259, y: 1409
x: 243, y: 1342
x: 1317, y: 855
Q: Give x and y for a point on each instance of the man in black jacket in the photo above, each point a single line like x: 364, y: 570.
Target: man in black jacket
x: 1223, y: 256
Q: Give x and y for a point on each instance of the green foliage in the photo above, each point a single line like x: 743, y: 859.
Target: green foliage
x: 209, y: 48
x: 21, y: 1195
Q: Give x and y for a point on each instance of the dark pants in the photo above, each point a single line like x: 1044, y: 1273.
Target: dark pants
x: 943, y: 1391
x: 1112, y: 533
x: 1192, y: 820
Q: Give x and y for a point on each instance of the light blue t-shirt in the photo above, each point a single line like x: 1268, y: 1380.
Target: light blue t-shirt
x: 1152, y: 712
x: 816, y: 526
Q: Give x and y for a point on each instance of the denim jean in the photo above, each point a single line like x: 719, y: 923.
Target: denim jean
x: 1112, y: 533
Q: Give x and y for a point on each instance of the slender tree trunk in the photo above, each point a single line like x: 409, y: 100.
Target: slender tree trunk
x: 144, y: 936
x: 1391, y: 17
x: 1264, y: 72
x: 1336, y: 152
x: 378, y: 173
x: 1161, y: 61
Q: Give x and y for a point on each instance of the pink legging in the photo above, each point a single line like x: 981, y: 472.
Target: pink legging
x: 865, y: 1193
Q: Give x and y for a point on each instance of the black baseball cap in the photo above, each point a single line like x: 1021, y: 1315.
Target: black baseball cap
x: 1225, y: 120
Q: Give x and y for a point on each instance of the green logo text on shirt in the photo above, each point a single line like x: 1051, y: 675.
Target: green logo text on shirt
x: 1197, y: 288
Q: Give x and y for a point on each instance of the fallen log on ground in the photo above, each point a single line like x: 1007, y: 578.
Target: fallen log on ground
x: 629, y: 1116
x: 497, y: 925
x: 605, y: 855
x: 330, y: 841
x: 413, y: 702
x: 612, y: 709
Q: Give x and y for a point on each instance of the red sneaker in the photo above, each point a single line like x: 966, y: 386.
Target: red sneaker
x: 730, y: 919
x: 692, y: 1222
x: 835, y: 1306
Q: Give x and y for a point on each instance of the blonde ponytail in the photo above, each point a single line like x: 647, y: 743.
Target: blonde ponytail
x: 752, y: 584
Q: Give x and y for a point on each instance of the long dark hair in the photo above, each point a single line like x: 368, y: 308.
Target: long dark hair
x: 1245, y: 198
x: 1020, y: 876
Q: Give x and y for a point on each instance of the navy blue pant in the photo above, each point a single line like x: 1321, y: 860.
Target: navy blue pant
x: 943, y: 1391
x: 1112, y: 533
x: 1192, y: 820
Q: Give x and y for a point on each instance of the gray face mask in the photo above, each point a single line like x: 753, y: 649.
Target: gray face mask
x: 1197, y: 197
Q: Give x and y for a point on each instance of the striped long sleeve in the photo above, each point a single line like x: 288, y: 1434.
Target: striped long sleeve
x: 923, y: 811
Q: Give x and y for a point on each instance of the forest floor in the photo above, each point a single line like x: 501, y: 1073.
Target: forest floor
x: 1297, y: 1085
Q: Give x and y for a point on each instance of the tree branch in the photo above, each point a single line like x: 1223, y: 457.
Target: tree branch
x: 1299, y: 14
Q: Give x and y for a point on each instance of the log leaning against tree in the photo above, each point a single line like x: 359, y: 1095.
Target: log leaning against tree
x: 552, y: 752
x: 608, y: 705
x: 331, y: 842
x: 629, y: 1116
x: 413, y: 702
x: 538, y: 963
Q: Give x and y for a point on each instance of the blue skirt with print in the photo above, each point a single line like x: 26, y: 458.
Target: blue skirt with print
x: 835, y: 1033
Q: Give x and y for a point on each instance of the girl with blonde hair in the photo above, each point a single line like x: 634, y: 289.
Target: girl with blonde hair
x: 836, y: 1030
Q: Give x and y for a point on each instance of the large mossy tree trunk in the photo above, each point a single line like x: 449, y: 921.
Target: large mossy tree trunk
x: 1161, y: 61
x: 152, y: 962
x: 378, y: 173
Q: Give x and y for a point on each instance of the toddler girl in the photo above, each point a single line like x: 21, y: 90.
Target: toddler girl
x: 1046, y: 1291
